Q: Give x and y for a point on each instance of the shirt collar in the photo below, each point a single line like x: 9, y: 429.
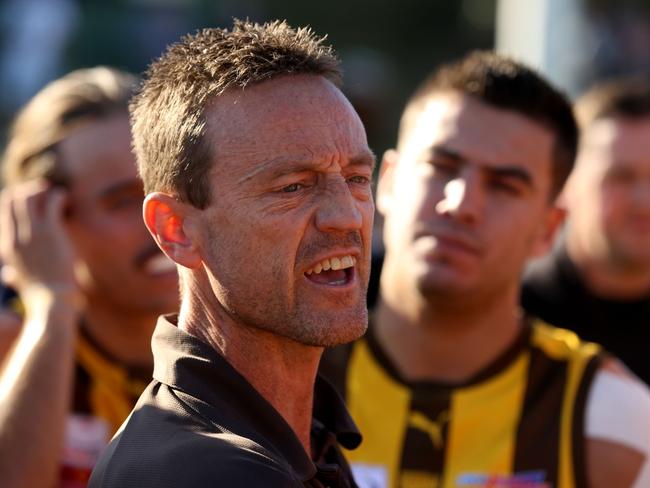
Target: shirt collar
x: 188, y: 364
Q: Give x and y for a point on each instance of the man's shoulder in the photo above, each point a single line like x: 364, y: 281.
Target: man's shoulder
x: 617, y: 428
x: 189, y: 458
x: 164, y: 443
x: 561, y: 344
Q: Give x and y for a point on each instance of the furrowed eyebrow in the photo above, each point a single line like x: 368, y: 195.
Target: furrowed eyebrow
x: 366, y: 158
x: 511, y: 172
x: 440, y: 151
x: 286, y: 165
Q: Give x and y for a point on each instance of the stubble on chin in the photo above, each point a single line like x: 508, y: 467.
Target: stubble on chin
x: 334, y: 331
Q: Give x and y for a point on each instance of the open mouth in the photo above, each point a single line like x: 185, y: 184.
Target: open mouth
x: 333, y: 271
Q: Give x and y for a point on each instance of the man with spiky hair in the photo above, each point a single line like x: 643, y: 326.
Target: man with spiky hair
x: 453, y: 386
x: 90, y: 280
x: 596, y: 281
x: 258, y: 177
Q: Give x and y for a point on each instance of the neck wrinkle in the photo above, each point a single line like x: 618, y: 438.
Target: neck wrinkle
x: 283, y: 371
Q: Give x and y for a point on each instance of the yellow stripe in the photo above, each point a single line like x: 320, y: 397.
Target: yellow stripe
x: 483, y: 424
x: 379, y: 406
x: 111, y: 392
x: 565, y: 345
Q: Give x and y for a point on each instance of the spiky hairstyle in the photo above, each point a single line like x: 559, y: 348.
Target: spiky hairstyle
x: 168, y: 115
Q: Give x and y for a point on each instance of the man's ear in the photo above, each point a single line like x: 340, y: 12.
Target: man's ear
x: 552, y: 222
x: 385, y: 182
x: 167, y: 220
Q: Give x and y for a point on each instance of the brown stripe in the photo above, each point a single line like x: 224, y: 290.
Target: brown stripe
x: 578, y: 428
x: 538, y: 435
x: 426, y: 435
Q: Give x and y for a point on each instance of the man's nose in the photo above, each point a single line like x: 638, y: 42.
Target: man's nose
x: 463, y: 199
x: 339, y: 209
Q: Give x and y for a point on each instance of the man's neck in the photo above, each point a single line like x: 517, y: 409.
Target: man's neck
x: 126, y: 338
x: 283, y: 371
x: 444, y: 342
x: 607, y: 278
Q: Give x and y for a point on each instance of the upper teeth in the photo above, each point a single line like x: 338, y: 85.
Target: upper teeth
x: 333, y: 264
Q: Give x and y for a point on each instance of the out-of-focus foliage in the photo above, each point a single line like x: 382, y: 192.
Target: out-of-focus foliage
x: 387, y: 46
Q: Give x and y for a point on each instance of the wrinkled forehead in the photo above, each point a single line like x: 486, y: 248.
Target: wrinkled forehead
x: 301, y: 114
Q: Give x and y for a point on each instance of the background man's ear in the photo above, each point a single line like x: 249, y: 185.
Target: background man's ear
x: 385, y: 182
x: 167, y: 220
x: 553, y: 221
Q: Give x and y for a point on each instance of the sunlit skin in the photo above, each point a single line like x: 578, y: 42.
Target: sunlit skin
x: 80, y: 259
x: 291, y: 187
x: 111, y: 244
x: 105, y: 221
x: 467, y: 201
x: 608, y: 198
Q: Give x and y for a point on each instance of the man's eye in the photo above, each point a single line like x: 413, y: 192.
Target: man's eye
x: 506, y: 187
x: 360, y: 180
x: 443, y: 167
x: 294, y: 187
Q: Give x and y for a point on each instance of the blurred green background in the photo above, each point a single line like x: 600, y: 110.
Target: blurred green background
x: 387, y: 47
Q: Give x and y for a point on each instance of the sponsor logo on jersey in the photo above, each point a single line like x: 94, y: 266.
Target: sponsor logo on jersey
x: 528, y: 479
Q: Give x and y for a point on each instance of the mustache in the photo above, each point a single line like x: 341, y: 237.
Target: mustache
x: 146, y: 254
x: 324, y: 242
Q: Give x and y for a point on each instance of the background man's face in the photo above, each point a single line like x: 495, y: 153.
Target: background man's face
x: 467, y: 199
x: 609, y: 192
x: 119, y: 263
x: 291, y: 194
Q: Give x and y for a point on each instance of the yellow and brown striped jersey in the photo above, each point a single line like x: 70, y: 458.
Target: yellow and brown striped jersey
x: 104, y: 394
x: 518, y: 423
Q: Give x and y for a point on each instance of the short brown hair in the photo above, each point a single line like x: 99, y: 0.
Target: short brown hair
x: 51, y: 115
x: 627, y: 97
x: 168, y: 117
x: 506, y: 84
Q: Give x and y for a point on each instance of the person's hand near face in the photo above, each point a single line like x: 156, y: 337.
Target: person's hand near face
x: 37, y: 254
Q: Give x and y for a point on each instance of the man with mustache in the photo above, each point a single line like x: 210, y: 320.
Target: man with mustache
x: 453, y: 386
x: 258, y: 177
x: 89, y: 279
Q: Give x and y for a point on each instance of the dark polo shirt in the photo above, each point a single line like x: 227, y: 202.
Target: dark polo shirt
x: 201, y: 424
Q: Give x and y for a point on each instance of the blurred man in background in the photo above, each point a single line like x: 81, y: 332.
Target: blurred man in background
x: 453, y: 386
x: 597, y: 279
x: 89, y: 278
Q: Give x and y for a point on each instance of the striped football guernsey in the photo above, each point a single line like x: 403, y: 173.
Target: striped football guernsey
x: 518, y: 423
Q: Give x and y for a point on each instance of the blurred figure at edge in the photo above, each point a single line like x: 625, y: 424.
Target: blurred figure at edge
x: 88, y: 275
